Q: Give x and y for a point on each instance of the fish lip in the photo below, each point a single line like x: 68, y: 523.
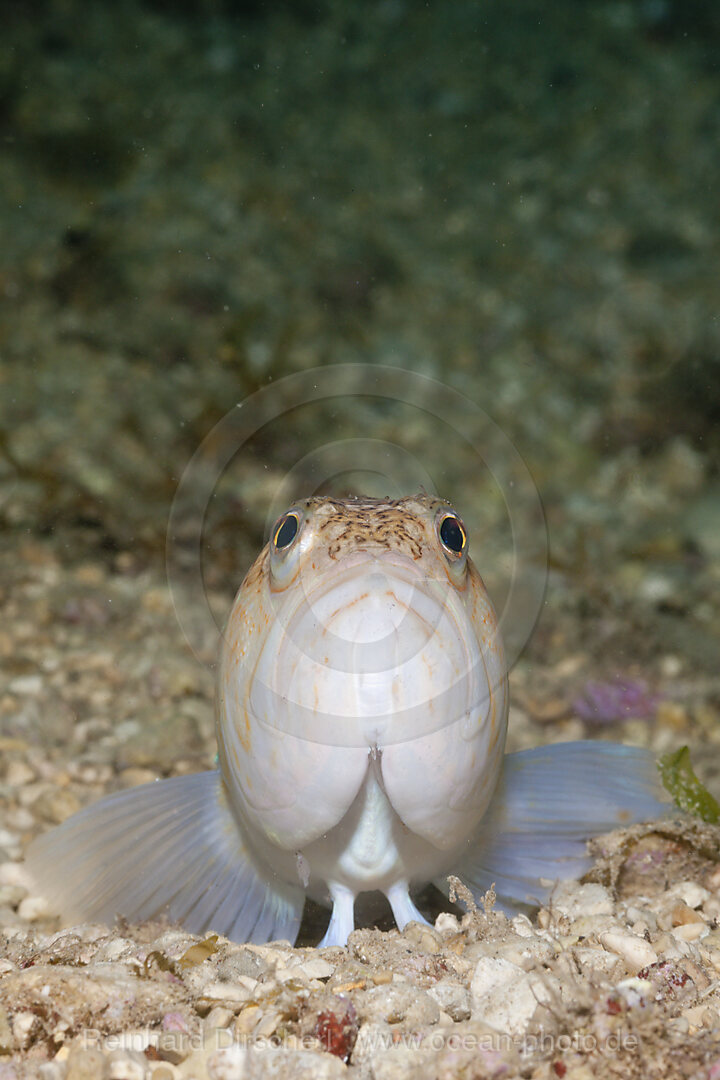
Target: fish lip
x: 391, y: 561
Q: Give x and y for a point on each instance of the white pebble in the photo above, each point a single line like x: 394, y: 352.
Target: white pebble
x: 21, y: 1027
x: 226, y: 991
x: 522, y: 926
x: 26, y: 684
x: 637, y: 992
x: 316, y: 968
x: 126, y: 1065
x: 8, y: 840
x: 33, y: 907
x: 690, y: 892
x: 19, y: 773
x: 636, y: 952
x: 506, y: 997
x: 447, y: 923
x: 575, y: 901
x: 690, y: 931
x: 12, y: 873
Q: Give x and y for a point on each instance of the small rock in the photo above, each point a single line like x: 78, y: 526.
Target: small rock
x: 26, y: 685
x: 267, y: 1025
x: 399, y: 1003
x: 596, y: 961
x: 247, y: 1020
x: 424, y: 938
x: 681, y: 915
x: 6, y: 1035
x: 56, y: 805
x: 636, y: 952
x: 228, y: 993
x: 453, y: 998
x: 134, y: 776
x: 19, y: 773
x: 505, y: 996
x: 11, y: 895
x: 576, y: 901
x: 382, y: 977
x: 447, y: 923
x: 218, y: 1017
x: 33, y: 907
x: 126, y: 1065
x: 690, y: 892
x: 526, y: 952
x: 85, y: 1063
x: 12, y: 873
x: 22, y: 1025
x: 271, y: 1064
x: 316, y: 968
x: 690, y: 931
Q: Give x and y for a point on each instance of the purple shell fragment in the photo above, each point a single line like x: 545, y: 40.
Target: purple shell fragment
x: 609, y: 702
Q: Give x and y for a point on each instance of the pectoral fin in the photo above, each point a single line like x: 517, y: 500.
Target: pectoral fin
x: 174, y: 848
x: 548, y: 803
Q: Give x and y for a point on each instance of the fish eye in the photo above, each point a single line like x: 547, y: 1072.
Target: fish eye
x: 452, y: 534
x: 286, y: 530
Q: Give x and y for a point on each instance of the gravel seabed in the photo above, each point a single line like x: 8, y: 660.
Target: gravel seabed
x: 616, y: 977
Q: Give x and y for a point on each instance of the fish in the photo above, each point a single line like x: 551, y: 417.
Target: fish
x: 361, y: 717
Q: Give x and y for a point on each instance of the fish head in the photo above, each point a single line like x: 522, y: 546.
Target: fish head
x: 362, y: 629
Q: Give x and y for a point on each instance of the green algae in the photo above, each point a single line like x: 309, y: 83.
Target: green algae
x: 687, y: 791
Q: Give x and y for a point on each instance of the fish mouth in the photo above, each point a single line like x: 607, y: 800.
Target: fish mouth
x: 378, y: 652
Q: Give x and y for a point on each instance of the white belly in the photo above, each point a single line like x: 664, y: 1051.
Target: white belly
x: 370, y: 848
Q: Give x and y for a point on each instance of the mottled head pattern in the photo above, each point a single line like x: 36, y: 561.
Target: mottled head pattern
x: 351, y: 524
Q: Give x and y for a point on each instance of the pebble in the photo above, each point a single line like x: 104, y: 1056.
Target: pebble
x: 11, y: 895
x: 596, y: 961
x: 635, y: 914
x: 382, y: 977
x: 237, y: 1062
x: 636, y: 952
x: 33, y: 907
x: 218, y: 1017
x: 56, y: 805
x: 247, y: 1020
x: 234, y: 993
x: 7, y: 840
x: 267, y: 1025
x: 690, y: 892
x: 577, y: 901
x: 310, y: 969
x: 26, y: 685
x: 421, y: 937
x: 19, y: 773
x: 447, y: 923
x: 453, y: 998
x: 399, y: 1003
x: 682, y: 914
x: 505, y: 996
x: 126, y: 1065
x: 22, y: 1024
x: 690, y: 931
x: 6, y: 1035
x: 526, y: 952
